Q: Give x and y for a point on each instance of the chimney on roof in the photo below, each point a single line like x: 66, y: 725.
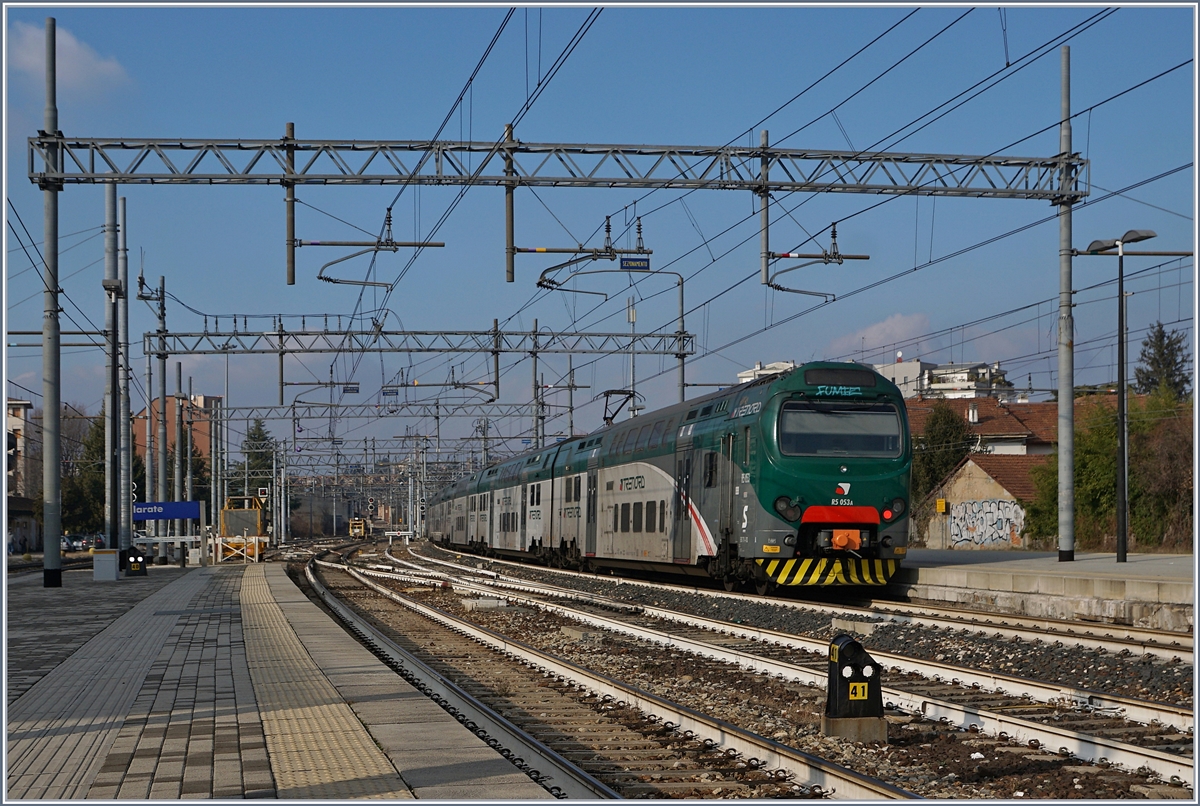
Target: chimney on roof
x: 973, y: 413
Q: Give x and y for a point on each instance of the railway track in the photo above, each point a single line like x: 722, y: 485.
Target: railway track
x: 1113, y: 638
x: 1080, y: 725
x: 1073, y: 729
x: 638, y: 744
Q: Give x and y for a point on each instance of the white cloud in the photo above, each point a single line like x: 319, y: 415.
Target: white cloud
x: 79, y: 67
x: 875, y: 338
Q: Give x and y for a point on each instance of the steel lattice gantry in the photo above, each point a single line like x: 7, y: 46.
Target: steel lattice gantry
x: 412, y: 341
x: 370, y: 411
x: 511, y: 163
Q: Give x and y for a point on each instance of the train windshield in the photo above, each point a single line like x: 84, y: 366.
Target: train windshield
x: 839, y: 429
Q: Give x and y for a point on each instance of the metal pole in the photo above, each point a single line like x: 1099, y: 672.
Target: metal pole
x: 112, y: 433
x: 496, y: 356
x: 763, y: 217
x: 1122, y: 522
x: 570, y: 399
x: 290, y: 202
x: 679, y: 355
x: 113, y: 535
x: 126, y: 488
x: 510, y: 249
x: 51, y: 367
x: 214, y: 453
x: 287, y: 500
x: 1066, y: 340
x: 178, y: 486
x: 224, y: 442
x: 161, y: 526
x: 190, y: 419
x: 536, y: 444
x: 631, y: 317
x: 149, y: 463
x: 274, y: 495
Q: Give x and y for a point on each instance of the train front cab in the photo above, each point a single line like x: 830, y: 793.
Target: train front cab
x: 837, y: 473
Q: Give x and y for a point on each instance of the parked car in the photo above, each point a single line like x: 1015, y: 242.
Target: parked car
x: 65, y: 544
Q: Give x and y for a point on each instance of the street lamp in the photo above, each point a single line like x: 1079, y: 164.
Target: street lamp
x: 1097, y: 247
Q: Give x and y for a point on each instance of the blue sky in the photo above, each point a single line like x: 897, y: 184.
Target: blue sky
x: 668, y: 76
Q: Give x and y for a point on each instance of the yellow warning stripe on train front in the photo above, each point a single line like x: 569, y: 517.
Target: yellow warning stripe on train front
x: 829, y: 571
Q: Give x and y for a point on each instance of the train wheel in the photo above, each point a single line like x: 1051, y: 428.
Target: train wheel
x: 764, y: 587
x: 730, y: 583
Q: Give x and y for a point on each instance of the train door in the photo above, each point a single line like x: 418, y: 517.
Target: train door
x: 524, y: 514
x: 492, y: 517
x: 590, y: 508
x: 681, y: 526
x: 728, y: 481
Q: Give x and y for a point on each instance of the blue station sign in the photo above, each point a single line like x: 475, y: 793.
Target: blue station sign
x: 635, y: 263
x: 165, y: 510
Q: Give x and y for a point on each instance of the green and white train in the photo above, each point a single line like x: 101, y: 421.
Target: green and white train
x: 798, y: 478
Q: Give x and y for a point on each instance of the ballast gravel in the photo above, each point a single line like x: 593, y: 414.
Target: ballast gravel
x: 1145, y: 677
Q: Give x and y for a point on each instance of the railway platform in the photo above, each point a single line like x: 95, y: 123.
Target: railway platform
x: 222, y: 682
x: 1148, y: 590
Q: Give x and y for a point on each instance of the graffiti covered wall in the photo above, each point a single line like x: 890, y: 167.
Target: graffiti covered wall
x: 991, y: 523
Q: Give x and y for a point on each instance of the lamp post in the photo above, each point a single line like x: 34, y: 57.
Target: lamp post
x: 1096, y: 247
x: 115, y: 290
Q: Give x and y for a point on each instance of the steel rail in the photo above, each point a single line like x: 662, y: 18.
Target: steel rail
x: 964, y: 716
x: 1160, y: 643
x: 811, y: 769
x: 1135, y: 710
x: 1080, y: 745
x: 568, y: 779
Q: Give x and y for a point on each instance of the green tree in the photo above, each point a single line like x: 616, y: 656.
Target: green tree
x: 1161, y: 472
x: 254, y: 470
x: 83, y: 482
x: 1163, y: 362
x: 945, y: 441
x: 1160, y: 480
x: 943, y: 444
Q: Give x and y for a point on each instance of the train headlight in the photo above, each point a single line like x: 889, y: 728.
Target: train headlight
x: 786, y: 509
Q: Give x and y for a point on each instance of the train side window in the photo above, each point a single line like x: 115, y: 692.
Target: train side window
x: 746, y: 434
x: 710, y: 469
x: 625, y: 517
x: 637, y: 516
x: 616, y: 518
x: 643, y: 437
x: 567, y: 491
x: 577, y: 482
x: 656, y: 435
x: 630, y: 438
x: 649, y: 516
x: 662, y: 517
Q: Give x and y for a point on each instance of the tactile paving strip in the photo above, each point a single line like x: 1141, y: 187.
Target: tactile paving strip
x: 317, y: 746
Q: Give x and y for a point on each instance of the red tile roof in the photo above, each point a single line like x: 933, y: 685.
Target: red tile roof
x: 1041, y: 419
x: 1011, y: 472
x: 994, y: 419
